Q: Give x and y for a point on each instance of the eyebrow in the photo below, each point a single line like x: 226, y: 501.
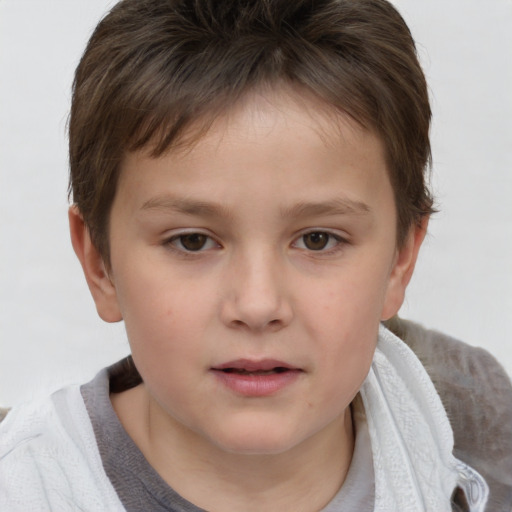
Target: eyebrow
x: 336, y: 206
x: 186, y: 206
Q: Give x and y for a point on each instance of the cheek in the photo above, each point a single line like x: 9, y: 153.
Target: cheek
x: 165, y: 337
x: 350, y: 302
x: 343, y: 318
x: 157, y: 295
x: 164, y: 319
x: 345, y: 363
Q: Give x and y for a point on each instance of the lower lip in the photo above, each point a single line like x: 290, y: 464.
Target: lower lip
x: 257, y: 385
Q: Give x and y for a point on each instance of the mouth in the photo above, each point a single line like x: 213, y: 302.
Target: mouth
x: 243, y: 371
x: 250, y: 367
x: 257, y: 378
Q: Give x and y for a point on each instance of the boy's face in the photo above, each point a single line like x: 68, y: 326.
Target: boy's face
x: 252, y: 271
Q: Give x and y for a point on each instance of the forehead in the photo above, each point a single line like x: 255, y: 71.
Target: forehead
x: 259, y: 112
x: 279, y: 139
x: 267, y: 112
x: 263, y: 110
x: 293, y: 101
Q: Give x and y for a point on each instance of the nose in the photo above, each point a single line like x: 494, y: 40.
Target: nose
x: 256, y: 296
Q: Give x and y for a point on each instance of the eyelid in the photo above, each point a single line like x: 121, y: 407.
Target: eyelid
x: 341, y: 240
x: 170, y: 239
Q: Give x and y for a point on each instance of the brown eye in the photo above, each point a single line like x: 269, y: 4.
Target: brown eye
x: 193, y: 241
x: 316, y: 241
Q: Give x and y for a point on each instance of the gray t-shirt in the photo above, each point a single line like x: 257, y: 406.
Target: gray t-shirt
x: 141, y: 489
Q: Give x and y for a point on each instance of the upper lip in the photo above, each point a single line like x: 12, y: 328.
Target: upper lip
x: 252, y: 365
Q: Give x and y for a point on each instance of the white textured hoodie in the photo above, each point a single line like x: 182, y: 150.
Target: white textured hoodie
x: 49, y: 459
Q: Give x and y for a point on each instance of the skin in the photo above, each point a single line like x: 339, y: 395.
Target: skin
x: 266, y: 176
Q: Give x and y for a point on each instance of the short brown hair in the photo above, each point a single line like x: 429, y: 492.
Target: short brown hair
x: 154, y: 67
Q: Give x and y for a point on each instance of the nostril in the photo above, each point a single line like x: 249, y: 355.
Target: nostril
x: 276, y: 324
x: 272, y: 324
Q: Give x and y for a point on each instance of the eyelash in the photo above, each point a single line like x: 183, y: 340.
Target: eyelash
x: 172, y: 242
x: 339, y: 243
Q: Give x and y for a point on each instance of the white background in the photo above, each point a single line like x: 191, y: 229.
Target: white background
x: 49, y: 332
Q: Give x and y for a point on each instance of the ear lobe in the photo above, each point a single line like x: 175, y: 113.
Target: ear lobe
x: 403, y: 268
x: 100, y: 284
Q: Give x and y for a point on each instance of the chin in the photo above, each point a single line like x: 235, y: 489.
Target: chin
x: 255, y: 447
x: 257, y: 440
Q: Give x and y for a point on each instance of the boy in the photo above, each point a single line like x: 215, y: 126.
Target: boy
x: 250, y: 199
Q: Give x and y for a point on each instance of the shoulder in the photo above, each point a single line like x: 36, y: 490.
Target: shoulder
x: 477, y: 395
x: 454, y: 365
x: 48, y: 456
x: 34, y: 449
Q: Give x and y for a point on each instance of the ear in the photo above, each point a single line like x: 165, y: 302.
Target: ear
x: 403, y: 267
x: 98, y: 279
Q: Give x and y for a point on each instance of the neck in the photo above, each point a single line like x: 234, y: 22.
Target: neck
x: 303, y: 478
